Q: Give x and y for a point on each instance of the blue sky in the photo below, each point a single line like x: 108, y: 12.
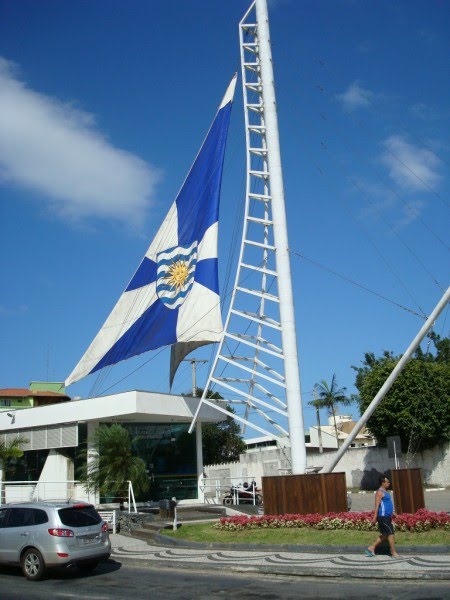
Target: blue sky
x: 103, y: 106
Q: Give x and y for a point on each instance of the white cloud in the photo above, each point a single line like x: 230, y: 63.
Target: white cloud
x: 381, y: 201
x: 409, y: 166
x: 355, y: 97
x: 410, y: 212
x: 52, y: 149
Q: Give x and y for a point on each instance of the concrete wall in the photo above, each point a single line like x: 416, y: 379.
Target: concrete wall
x: 328, y: 440
x: 361, y: 466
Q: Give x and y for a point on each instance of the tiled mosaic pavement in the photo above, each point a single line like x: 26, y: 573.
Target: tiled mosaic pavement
x: 430, y: 566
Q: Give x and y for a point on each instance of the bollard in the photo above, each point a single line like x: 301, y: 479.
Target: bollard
x: 173, y: 505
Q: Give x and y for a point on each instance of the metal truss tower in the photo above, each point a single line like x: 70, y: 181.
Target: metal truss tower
x: 256, y: 367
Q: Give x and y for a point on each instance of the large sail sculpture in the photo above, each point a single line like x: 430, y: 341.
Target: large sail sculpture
x: 256, y: 367
x: 173, y: 297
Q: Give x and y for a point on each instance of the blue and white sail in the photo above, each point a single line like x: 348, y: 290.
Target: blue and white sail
x: 173, y: 297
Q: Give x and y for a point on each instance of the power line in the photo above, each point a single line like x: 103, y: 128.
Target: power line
x: 422, y: 316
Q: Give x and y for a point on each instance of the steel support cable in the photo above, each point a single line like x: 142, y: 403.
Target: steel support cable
x: 343, y: 277
x: 390, y: 268
x: 321, y: 171
x: 389, y: 225
x: 238, y: 344
x: 384, y: 259
x: 153, y: 356
x: 411, y: 210
x: 407, y: 167
x: 104, y: 373
x: 402, y: 200
x: 226, y: 293
x: 322, y: 89
x: 329, y: 95
x: 135, y: 306
x: 399, y: 237
x: 254, y: 163
x: 324, y: 65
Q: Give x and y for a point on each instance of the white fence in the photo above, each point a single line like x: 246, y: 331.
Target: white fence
x: 109, y: 516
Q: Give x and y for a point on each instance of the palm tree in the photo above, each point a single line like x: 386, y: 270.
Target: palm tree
x: 9, y: 451
x: 329, y: 396
x: 113, y: 464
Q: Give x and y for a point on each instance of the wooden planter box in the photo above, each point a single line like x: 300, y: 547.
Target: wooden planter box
x: 304, y: 494
x: 407, y: 486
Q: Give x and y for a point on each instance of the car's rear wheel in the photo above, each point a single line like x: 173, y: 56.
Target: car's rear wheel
x: 33, y: 565
x: 88, y: 565
x: 228, y: 501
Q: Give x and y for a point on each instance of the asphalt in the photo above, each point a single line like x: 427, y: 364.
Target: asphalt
x: 149, y: 546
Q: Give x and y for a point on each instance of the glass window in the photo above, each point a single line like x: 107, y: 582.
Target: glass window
x: 170, y: 455
x: 79, y: 516
x: 26, y: 468
x: 20, y: 517
x: 40, y: 516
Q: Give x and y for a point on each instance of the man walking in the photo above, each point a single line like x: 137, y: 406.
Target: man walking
x: 383, y: 513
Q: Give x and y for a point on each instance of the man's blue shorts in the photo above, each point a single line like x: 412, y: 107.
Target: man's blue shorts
x: 385, y: 525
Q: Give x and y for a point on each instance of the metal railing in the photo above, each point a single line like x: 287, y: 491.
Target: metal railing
x: 232, y: 491
x: 26, y: 491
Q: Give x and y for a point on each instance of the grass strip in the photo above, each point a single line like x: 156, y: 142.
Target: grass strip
x: 205, y: 532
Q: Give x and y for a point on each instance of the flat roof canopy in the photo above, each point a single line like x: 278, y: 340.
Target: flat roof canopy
x: 126, y: 407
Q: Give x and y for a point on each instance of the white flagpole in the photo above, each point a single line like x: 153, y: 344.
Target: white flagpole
x: 287, y: 316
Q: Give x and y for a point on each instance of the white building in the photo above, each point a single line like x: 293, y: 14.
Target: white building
x: 55, y: 434
x: 345, y: 425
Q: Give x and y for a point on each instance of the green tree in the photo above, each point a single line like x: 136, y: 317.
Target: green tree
x: 9, y: 451
x: 222, y: 442
x: 329, y: 396
x: 417, y: 407
x: 113, y: 464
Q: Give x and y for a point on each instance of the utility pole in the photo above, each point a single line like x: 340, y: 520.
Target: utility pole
x: 194, y: 362
x: 319, y: 428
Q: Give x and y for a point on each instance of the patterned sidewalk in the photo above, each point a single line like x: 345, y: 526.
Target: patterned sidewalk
x: 333, y: 564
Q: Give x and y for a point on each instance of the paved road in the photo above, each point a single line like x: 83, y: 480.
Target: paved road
x: 116, y: 581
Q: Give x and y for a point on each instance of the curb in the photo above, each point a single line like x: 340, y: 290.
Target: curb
x: 381, y: 573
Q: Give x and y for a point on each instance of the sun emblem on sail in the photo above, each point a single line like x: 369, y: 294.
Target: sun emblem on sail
x: 175, y: 274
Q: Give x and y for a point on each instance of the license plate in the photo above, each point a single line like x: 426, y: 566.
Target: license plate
x: 89, y: 540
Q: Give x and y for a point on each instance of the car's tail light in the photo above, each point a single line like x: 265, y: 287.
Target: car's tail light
x: 105, y: 527
x: 61, y: 532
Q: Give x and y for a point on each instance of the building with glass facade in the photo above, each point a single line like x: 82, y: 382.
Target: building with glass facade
x: 57, y: 435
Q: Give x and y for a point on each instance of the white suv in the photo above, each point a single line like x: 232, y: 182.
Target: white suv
x: 38, y: 535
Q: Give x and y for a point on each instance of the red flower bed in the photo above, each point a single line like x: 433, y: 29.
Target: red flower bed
x: 422, y: 520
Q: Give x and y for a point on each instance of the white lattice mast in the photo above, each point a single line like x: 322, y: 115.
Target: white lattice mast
x: 256, y: 368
